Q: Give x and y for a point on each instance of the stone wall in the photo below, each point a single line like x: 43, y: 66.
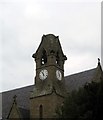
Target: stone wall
x: 49, y: 104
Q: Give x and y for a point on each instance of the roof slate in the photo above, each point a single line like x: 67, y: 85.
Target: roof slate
x: 72, y: 82
x: 22, y: 94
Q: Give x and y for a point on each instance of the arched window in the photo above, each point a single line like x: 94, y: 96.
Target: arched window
x: 41, y: 111
x: 44, y: 58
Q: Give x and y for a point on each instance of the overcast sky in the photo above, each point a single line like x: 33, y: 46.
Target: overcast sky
x: 23, y: 22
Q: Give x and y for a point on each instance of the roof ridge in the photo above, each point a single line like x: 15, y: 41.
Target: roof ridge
x: 22, y: 87
x: 34, y: 84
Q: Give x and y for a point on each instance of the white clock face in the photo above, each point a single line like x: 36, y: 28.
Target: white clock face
x: 59, y: 75
x: 43, y: 74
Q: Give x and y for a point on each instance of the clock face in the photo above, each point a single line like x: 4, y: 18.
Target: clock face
x: 43, y: 74
x: 59, y: 75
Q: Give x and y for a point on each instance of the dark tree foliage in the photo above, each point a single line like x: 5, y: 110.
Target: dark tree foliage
x: 84, y: 104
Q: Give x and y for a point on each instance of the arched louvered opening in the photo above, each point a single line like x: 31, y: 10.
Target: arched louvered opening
x: 44, y: 58
x: 57, y: 59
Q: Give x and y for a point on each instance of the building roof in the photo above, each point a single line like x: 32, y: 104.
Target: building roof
x: 75, y: 81
x: 22, y: 94
x: 72, y: 82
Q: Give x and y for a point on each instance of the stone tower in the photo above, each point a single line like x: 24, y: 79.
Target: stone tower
x: 49, y: 90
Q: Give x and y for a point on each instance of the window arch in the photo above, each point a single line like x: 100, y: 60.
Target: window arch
x: 44, y: 58
x: 57, y: 58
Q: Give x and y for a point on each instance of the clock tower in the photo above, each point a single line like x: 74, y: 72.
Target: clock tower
x: 49, y: 90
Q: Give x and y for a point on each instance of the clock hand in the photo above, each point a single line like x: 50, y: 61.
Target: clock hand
x: 59, y: 74
x: 43, y: 73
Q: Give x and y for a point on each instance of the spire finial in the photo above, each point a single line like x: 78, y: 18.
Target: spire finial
x: 98, y: 61
x: 15, y: 98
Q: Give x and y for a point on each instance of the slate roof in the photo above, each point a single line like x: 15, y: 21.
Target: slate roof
x: 25, y: 113
x: 72, y: 82
x: 22, y: 94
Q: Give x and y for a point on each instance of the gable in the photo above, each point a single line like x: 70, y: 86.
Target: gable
x: 14, y: 113
x: 72, y: 82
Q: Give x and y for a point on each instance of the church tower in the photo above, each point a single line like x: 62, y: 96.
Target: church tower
x: 49, y: 90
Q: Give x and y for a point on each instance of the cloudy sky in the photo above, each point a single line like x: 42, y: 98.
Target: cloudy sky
x: 23, y: 22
